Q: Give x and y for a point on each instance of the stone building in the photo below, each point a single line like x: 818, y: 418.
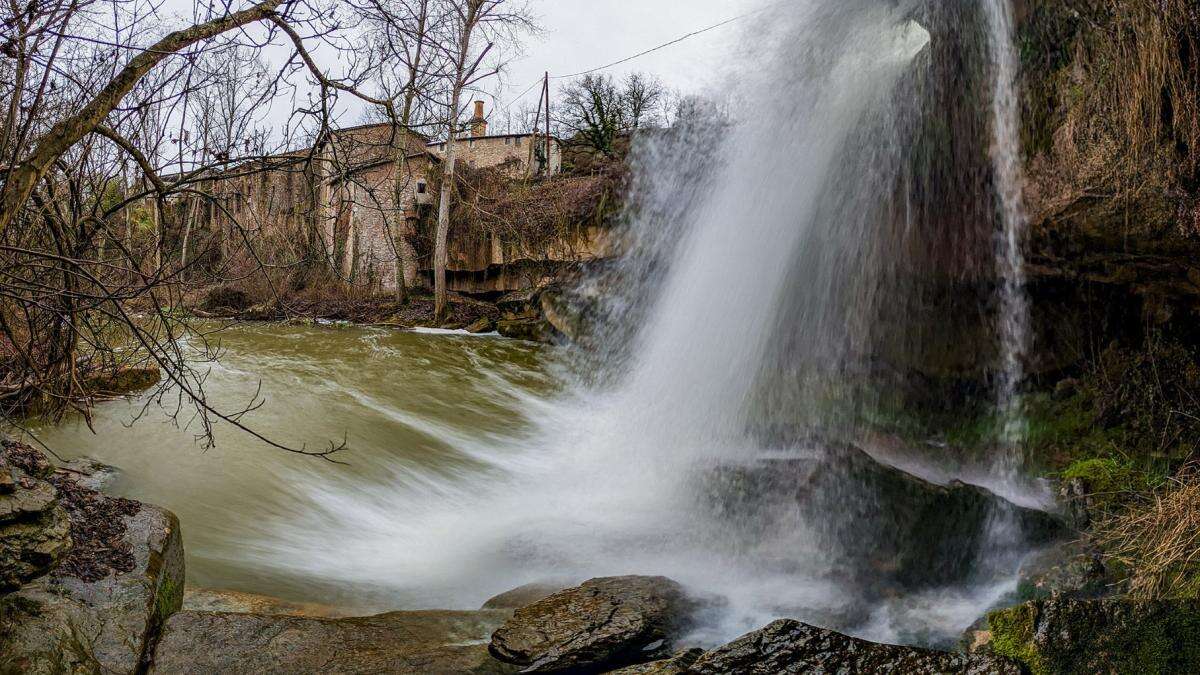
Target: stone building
x: 362, y: 192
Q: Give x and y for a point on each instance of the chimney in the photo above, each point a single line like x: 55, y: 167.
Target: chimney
x: 478, y: 122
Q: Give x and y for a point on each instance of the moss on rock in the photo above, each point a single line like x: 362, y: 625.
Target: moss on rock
x: 1061, y: 636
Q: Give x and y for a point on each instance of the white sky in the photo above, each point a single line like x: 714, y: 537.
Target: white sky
x: 582, y: 34
x: 579, y: 35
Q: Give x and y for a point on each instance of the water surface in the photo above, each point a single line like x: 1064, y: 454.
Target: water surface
x: 420, y: 413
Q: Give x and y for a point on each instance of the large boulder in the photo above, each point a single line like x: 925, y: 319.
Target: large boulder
x: 399, y: 642
x: 102, y: 606
x: 523, y: 596
x: 34, y: 527
x: 890, y: 529
x: 604, y: 623
x: 1065, y: 636
x: 220, y: 600
x: 787, y: 646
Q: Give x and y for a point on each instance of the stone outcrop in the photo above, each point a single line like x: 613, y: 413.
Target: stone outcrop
x: 523, y: 596
x: 123, y: 381
x: 399, y: 642
x: 217, y: 600
x: 895, y: 528
x: 604, y: 623
x: 69, y: 621
x: 34, y: 528
x: 679, y: 664
x: 788, y: 646
x: 1064, y: 636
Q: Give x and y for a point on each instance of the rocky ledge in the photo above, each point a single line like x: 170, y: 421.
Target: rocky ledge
x: 98, y: 604
x: 95, y: 584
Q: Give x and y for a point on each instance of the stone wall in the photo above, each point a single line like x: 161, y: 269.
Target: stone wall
x: 509, y: 150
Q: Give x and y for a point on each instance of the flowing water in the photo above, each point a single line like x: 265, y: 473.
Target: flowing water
x: 771, y: 265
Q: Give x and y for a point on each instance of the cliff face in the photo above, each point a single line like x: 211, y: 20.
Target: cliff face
x: 1112, y: 139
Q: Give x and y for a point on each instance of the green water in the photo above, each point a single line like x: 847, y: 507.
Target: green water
x: 417, y: 411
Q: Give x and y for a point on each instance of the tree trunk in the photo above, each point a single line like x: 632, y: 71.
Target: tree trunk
x: 440, y: 253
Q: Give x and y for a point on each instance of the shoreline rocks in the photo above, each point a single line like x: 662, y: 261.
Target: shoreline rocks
x: 100, y: 609
x: 1066, y: 636
x: 34, y: 527
x: 787, y: 646
x: 607, y: 622
x: 398, y: 642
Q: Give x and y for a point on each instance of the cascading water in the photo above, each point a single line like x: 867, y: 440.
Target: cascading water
x: 777, y: 273
x: 1006, y: 159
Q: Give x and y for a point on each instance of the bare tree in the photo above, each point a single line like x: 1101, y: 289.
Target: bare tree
x: 597, y: 109
x: 410, y: 70
x: 113, y: 136
x: 476, y: 36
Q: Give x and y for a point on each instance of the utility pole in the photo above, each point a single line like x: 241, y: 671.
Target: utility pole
x: 546, y: 92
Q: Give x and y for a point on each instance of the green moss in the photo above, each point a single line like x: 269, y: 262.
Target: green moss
x: 1012, y: 635
x: 168, y: 601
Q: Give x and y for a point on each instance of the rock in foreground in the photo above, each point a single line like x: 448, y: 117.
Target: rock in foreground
x: 34, y: 529
x: 604, y: 623
x: 1065, y: 636
x: 400, y: 642
x: 101, y: 607
x: 788, y: 646
x: 523, y: 596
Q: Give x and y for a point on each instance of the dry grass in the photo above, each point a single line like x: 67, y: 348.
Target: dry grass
x: 1126, y: 135
x: 1158, y: 541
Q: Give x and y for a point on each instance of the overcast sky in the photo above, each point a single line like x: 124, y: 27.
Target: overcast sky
x: 579, y: 35
x: 582, y: 34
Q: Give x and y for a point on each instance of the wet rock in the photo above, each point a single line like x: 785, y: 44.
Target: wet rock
x: 893, y: 529
x: 63, y: 623
x: 124, y: 381
x: 604, y: 623
x: 676, y: 665
x: 400, y: 642
x: 532, y: 330
x: 1068, y: 636
x: 523, y: 596
x: 788, y: 646
x: 1073, y: 569
x: 34, y: 527
x: 236, y: 602
x: 90, y: 473
x: 484, y: 325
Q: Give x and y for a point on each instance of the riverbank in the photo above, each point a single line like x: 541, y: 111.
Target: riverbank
x: 124, y: 590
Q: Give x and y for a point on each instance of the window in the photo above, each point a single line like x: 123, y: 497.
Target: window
x: 518, y: 141
x: 421, y: 187
x: 507, y: 140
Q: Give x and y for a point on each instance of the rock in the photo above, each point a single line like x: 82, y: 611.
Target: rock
x: 679, y: 664
x: 523, y: 596
x: 236, y: 602
x: 1068, y: 636
x: 126, y: 380
x: 604, y: 623
x: 894, y: 529
x: 62, y: 623
x: 532, y: 330
x: 788, y: 646
x: 35, y: 532
x: 400, y: 642
x: 1073, y: 569
x: 90, y: 473
x: 484, y: 325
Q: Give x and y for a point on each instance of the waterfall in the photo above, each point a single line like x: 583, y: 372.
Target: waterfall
x: 785, y: 269
x: 1009, y: 177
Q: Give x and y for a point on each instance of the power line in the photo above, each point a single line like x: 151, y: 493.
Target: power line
x: 662, y: 46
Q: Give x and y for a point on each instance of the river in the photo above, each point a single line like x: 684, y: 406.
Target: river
x: 419, y: 413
